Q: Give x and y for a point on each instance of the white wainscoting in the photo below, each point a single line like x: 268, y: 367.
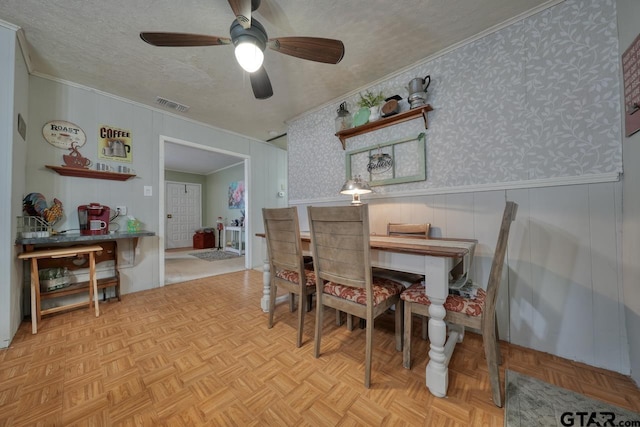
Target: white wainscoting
x: 562, y: 290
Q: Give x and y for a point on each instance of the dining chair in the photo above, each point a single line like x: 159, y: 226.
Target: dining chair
x: 417, y: 231
x: 342, y: 263
x: 286, y: 262
x: 420, y: 231
x: 477, y: 313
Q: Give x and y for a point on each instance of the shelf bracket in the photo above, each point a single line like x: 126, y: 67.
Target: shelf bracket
x: 424, y: 116
x: 343, y: 141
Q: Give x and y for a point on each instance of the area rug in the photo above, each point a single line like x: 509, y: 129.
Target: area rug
x: 531, y: 402
x: 214, y: 255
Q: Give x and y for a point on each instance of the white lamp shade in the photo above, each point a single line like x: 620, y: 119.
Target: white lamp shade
x: 356, y: 186
x: 249, y: 56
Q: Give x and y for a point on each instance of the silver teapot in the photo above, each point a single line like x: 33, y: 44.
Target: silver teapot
x: 417, y: 91
x: 118, y: 148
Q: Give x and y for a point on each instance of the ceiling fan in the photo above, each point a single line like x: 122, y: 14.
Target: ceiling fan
x: 250, y: 39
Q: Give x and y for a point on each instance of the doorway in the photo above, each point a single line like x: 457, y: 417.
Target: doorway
x: 183, y: 213
x: 169, y: 151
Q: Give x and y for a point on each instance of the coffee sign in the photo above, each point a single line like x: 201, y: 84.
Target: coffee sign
x: 114, y: 144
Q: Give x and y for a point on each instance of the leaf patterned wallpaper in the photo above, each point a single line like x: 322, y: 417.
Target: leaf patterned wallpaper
x: 537, y: 99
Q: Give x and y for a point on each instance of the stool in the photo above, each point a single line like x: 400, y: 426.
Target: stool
x: 204, y: 240
x: 36, y: 312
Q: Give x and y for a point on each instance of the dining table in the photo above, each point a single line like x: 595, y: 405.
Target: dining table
x: 441, y: 261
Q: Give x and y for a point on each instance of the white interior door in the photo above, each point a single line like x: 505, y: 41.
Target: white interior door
x: 183, y: 209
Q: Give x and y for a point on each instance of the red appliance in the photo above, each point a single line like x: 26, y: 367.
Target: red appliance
x: 93, y: 219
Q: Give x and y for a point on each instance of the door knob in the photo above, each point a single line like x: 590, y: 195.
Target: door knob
x: 169, y: 216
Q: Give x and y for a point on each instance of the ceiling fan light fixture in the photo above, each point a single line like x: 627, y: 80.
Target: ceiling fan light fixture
x: 249, y: 44
x: 249, y: 55
x: 250, y: 40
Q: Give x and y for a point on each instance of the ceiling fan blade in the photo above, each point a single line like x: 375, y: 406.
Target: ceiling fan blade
x: 272, y: 13
x: 261, y: 84
x: 183, y: 39
x: 242, y: 10
x: 311, y: 48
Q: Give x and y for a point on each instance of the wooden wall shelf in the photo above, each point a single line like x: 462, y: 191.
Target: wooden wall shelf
x: 383, y: 123
x: 89, y: 173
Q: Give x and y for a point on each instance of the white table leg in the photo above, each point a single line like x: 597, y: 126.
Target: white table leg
x: 437, y: 289
x: 266, y: 286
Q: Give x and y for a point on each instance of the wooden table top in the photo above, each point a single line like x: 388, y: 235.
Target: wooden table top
x: 60, y: 252
x: 441, y: 247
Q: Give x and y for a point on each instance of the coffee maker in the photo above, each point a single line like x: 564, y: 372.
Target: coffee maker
x: 93, y: 219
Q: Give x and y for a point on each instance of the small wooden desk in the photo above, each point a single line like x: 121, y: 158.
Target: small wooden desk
x: 73, y: 251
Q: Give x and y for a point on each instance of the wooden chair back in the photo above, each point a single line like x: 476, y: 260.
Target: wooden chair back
x: 340, y: 244
x: 283, y: 239
x: 495, y: 275
x: 408, y: 230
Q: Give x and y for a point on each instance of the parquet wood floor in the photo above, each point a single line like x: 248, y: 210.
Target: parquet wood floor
x: 200, y: 353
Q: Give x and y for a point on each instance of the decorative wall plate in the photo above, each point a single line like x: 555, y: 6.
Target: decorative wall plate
x: 361, y: 117
x: 62, y: 134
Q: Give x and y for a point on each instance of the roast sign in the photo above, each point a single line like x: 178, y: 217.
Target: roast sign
x: 63, y: 134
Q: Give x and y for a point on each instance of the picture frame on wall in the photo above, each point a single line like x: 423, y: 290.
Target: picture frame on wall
x: 394, y: 162
x: 236, y: 195
x: 115, y: 144
x: 631, y: 81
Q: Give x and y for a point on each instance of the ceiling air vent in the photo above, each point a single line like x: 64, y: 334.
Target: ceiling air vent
x: 172, y: 104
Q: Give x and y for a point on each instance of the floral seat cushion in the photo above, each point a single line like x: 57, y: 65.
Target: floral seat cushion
x: 456, y: 303
x: 382, y: 290
x: 292, y: 276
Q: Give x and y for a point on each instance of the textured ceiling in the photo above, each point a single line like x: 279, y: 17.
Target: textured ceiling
x: 181, y: 158
x: 96, y: 43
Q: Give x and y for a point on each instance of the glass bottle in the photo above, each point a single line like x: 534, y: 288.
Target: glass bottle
x: 344, y: 119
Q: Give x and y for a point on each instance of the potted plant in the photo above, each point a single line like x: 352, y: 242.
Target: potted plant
x: 372, y: 102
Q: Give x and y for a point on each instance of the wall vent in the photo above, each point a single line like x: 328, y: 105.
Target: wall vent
x: 172, y: 104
